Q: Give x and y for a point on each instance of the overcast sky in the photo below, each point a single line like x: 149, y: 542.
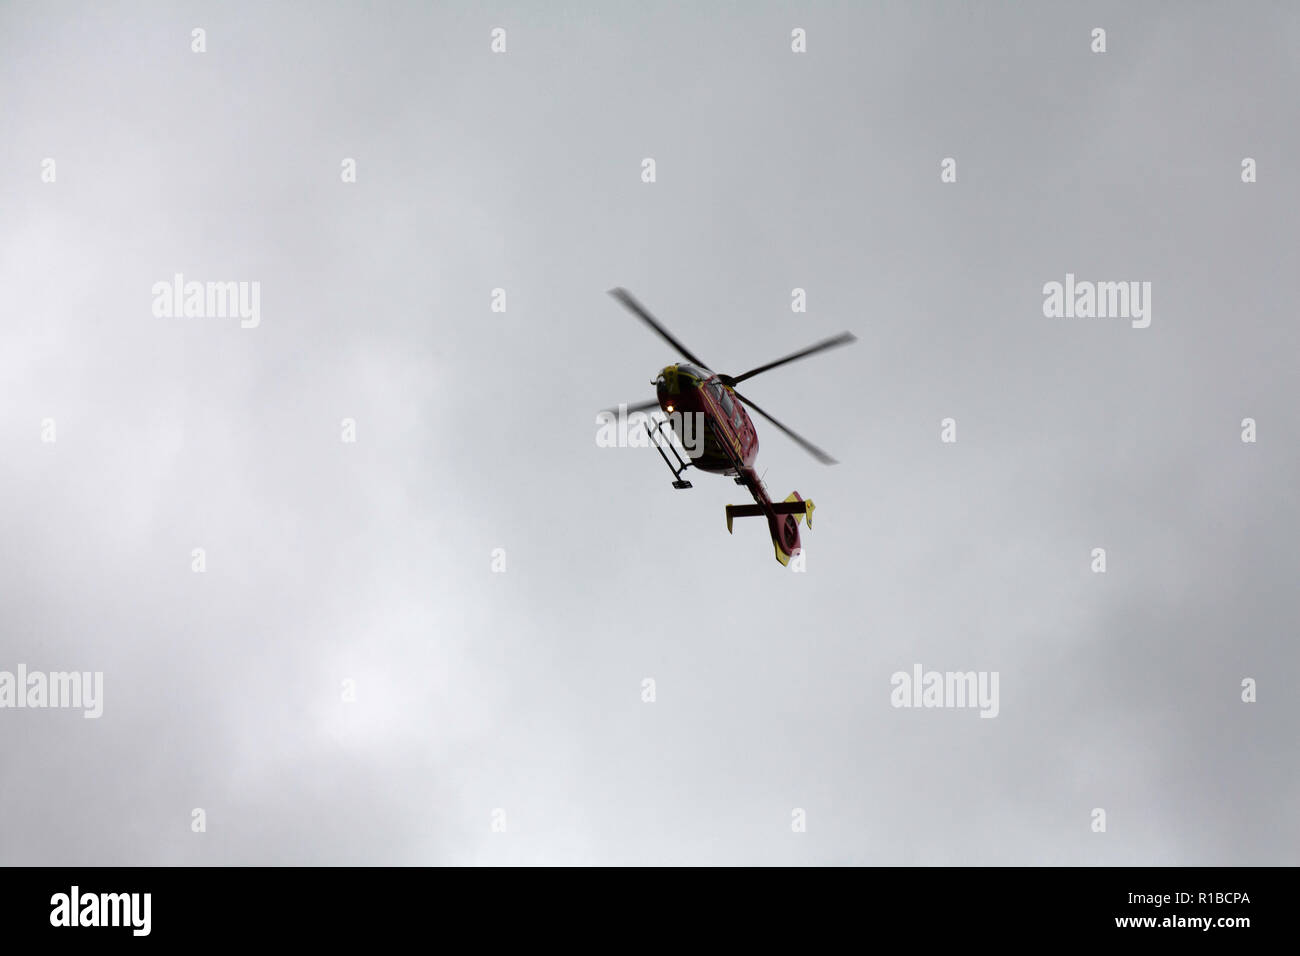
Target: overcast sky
x: 372, y: 561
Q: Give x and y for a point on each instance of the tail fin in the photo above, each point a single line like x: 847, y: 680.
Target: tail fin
x: 785, y: 526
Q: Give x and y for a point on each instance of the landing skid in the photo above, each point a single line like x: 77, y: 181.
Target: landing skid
x: 659, y: 441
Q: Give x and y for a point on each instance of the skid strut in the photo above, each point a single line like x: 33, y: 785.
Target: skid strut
x: 658, y: 439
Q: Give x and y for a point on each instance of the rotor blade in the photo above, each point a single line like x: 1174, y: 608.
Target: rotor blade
x: 807, y: 446
x: 844, y: 338
x: 636, y: 307
x: 639, y: 407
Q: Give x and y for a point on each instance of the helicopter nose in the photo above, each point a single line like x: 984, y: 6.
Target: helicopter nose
x: 666, y: 398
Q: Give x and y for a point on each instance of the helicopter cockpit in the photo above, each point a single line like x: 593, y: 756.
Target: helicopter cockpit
x: 692, y: 371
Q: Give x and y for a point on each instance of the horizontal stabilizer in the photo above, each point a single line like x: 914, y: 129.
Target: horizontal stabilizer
x: 743, y: 511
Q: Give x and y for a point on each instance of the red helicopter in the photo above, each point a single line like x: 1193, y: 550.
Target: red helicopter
x: 730, y: 442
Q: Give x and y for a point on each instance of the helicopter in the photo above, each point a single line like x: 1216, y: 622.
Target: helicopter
x: 730, y: 441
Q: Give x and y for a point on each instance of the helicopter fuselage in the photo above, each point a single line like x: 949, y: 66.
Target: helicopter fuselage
x: 730, y: 439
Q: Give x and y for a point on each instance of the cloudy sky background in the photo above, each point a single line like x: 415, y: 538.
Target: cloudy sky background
x: 371, y: 561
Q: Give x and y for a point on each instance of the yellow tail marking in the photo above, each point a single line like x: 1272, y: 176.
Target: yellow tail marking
x: 808, y: 508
